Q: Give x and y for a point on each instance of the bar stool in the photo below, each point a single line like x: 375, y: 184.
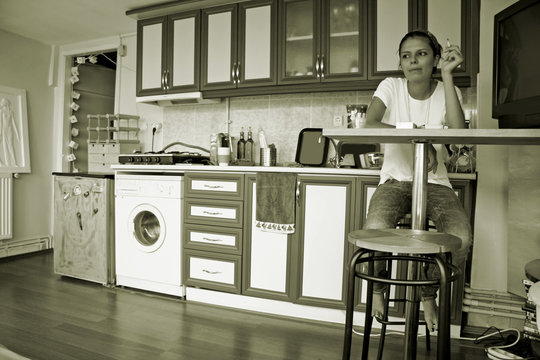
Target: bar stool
x: 417, y: 247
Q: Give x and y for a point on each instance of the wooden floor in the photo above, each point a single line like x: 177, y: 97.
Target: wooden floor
x: 49, y: 317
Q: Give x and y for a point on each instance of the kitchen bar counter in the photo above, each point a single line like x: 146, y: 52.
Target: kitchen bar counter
x: 180, y: 168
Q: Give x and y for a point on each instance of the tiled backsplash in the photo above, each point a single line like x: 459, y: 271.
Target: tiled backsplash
x: 280, y: 116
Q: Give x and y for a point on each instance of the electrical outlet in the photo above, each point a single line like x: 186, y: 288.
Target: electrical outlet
x: 338, y: 121
x: 156, y: 127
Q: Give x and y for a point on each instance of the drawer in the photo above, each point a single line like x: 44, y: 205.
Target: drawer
x: 214, y: 185
x: 213, y: 238
x: 212, y: 271
x: 213, y: 212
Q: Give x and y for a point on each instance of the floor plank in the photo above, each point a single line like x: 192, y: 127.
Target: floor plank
x: 45, y: 316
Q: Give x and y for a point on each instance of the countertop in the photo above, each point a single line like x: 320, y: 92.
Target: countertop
x: 180, y: 168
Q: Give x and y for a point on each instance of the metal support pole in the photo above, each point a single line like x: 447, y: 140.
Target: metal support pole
x: 419, y: 199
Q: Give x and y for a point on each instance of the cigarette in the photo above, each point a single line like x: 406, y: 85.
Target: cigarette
x: 447, y: 42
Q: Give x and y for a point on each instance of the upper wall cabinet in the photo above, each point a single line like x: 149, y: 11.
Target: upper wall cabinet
x: 389, y: 20
x: 322, y: 40
x: 168, y: 51
x: 239, y: 45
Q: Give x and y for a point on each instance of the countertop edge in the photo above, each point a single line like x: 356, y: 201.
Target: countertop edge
x: 179, y: 168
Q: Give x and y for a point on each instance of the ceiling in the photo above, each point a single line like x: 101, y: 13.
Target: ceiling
x: 59, y: 22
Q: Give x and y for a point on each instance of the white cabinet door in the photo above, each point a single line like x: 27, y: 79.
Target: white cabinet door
x: 326, y: 210
x: 150, y: 59
x: 183, y: 63
x: 267, y: 255
x: 392, y: 24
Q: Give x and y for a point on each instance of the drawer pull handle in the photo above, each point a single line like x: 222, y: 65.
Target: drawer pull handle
x: 213, y: 213
x: 211, y: 272
x: 213, y: 186
x: 213, y: 240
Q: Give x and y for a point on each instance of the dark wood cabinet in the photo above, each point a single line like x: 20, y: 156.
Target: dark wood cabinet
x: 239, y: 45
x: 322, y: 41
x: 390, y: 20
x: 168, y: 54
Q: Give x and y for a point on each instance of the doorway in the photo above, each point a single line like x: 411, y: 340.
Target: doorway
x: 93, y: 78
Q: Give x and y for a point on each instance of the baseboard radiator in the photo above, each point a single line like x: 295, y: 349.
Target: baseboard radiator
x: 6, y: 206
x: 493, y: 303
x: 25, y: 246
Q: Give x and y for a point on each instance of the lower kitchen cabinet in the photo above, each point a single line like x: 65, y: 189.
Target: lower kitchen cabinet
x: 267, y: 263
x: 212, y: 270
x: 212, y: 231
x: 229, y: 253
x: 325, y: 216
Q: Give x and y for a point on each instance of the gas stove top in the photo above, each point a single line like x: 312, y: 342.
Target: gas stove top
x: 164, y: 158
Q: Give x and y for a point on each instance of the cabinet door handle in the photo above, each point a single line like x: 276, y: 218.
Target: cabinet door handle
x: 211, y: 239
x: 322, y: 66
x: 213, y: 213
x: 213, y: 186
x: 317, y: 67
x: 163, y: 80
x: 298, y: 192
x: 167, y: 80
x: 237, y: 73
x: 211, y: 272
x: 233, y: 73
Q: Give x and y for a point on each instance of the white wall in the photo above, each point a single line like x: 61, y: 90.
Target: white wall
x: 507, y: 230
x: 24, y: 64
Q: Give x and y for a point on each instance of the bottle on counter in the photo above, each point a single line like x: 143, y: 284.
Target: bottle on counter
x: 241, y: 146
x: 250, y: 147
x: 213, y: 148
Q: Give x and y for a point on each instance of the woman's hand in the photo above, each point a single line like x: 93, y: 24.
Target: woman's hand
x: 432, y: 159
x: 451, y: 58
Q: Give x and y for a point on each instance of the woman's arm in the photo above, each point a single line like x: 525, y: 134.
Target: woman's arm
x: 450, y: 59
x: 375, y: 113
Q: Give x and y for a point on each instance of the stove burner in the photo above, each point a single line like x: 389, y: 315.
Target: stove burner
x: 164, y: 158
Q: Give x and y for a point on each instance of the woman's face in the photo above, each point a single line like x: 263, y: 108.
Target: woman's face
x: 417, y: 59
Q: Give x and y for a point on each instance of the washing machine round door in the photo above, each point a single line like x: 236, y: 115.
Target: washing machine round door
x: 148, y: 227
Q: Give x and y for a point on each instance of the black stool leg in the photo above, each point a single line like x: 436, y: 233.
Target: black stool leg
x: 385, y: 314
x: 349, y: 312
x: 443, y: 340
x: 369, y: 307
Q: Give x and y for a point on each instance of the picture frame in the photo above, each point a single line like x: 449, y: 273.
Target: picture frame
x: 14, y: 146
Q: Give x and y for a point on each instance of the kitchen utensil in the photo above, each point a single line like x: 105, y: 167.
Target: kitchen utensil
x: 356, y: 115
x: 268, y: 156
x: 312, y: 148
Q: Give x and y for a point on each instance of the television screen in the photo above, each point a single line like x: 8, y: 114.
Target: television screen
x: 516, y: 97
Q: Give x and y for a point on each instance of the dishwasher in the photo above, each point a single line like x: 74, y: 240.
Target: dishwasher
x: 84, y: 226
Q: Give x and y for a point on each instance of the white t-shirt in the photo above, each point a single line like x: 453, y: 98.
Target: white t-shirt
x: 401, y: 107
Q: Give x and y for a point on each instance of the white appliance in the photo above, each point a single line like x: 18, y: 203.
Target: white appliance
x: 148, y: 232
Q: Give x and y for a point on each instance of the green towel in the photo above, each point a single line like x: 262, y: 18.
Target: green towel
x: 276, y: 202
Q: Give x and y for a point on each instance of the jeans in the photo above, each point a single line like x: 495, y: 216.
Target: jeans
x: 392, y: 201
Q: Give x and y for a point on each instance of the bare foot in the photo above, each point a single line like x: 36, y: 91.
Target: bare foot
x: 431, y: 313
x: 378, y: 304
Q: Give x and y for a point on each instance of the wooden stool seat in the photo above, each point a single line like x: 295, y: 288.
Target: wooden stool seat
x: 405, y: 241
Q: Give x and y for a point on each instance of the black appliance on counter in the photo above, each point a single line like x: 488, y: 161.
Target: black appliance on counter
x: 164, y: 158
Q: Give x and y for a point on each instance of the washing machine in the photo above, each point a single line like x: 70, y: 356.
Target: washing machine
x: 148, y: 229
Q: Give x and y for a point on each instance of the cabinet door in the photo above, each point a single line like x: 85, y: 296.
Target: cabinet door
x: 457, y: 26
x: 299, y: 29
x: 343, y: 40
x: 325, y: 216
x: 266, y: 265
x: 389, y: 21
x: 219, y: 33
x: 151, y: 56
x: 257, y: 39
x: 182, y: 73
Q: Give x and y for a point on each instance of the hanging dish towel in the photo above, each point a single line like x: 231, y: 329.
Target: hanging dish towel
x: 276, y: 202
